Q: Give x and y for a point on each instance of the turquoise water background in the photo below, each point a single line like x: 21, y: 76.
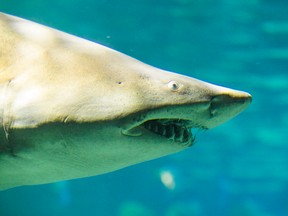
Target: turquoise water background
x: 237, y: 169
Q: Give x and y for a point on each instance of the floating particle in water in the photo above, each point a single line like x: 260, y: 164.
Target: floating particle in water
x: 167, y: 179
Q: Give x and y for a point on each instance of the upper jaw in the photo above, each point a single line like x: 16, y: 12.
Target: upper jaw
x: 203, y: 114
x: 174, y: 128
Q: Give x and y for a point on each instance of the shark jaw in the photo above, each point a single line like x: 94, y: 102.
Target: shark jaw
x: 176, y: 123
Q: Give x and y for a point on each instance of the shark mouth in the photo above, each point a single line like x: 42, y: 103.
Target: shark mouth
x: 179, y: 131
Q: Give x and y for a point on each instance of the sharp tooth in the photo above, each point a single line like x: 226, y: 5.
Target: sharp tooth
x: 163, y: 131
x: 186, y: 135
x: 181, y: 135
x: 177, y: 132
x: 156, y: 128
x: 160, y: 129
x: 172, y: 132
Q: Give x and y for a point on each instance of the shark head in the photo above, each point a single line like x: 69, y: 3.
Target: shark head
x: 171, y: 105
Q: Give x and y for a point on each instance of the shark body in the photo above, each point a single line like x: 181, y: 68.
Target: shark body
x: 71, y: 108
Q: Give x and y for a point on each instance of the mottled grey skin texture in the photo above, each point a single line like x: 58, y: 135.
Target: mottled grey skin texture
x: 71, y: 108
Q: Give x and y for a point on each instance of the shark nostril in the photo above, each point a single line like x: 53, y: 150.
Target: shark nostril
x: 213, y: 111
x: 215, y: 103
x: 226, y: 104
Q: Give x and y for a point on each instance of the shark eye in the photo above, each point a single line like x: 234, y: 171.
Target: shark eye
x: 173, y: 85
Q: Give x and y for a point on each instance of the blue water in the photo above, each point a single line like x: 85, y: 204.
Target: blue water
x: 237, y: 169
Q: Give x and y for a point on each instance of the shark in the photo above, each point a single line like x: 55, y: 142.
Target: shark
x: 72, y: 108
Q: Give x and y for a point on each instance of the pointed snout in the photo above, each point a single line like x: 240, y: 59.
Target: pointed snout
x: 227, y: 105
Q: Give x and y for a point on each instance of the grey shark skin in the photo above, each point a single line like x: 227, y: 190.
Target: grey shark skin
x: 71, y: 108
